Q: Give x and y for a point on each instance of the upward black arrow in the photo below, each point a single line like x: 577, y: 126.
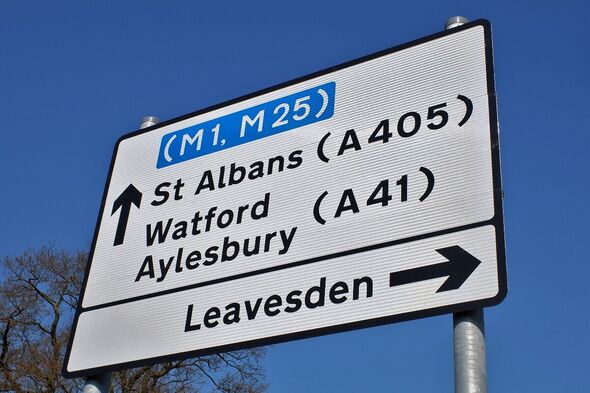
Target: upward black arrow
x: 131, y: 195
x: 459, y: 267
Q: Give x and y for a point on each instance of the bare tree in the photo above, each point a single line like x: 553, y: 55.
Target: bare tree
x: 38, y: 295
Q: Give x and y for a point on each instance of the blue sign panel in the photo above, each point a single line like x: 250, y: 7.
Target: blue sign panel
x: 273, y: 117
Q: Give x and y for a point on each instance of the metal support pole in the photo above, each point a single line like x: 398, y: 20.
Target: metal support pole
x: 455, y: 21
x: 468, y: 327
x: 102, y: 383
x: 470, y: 352
x: 148, y: 121
x: 98, y: 383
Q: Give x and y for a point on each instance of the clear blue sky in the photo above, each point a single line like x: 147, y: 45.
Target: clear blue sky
x: 75, y: 76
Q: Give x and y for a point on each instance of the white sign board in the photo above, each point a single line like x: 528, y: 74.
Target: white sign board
x: 366, y: 194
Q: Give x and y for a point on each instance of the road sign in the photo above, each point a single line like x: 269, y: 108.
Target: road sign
x: 361, y: 195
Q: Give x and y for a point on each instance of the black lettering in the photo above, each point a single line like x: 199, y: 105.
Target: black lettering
x: 188, y: 327
x: 221, y: 183
x: 211, y: 256
x: 195, y: 222
x: 179, y: 184
x: 251, y: 312
x: 356, y: 287
x: 208, y: 217
x: 272, y: 161
x: 261, y: 204
x: 191, y: 260
x: 240, y: 170
x: 267, y: 240
x: 255, y: 250
x: 178, y: 267
x: 241, y: 211
x: 158, y: 232
x: 354, y: 142
x: 287, y: 240
x: 293, y: 301
x: 401, y: 124
x: 381, y: 133
x: 206, y: 182
x: 164, y: 267
x: 380, y: 194
x: 273, y: 302
x: 161, y: 192
x: 256, y: 170
x: 180, y: 231
x: 347, y: 202
x: 233, y: 313
x: 227, y: 244
x: 220, y: 219
x: 210, y: 317
x: 147, y: 268
x: 340, y: 288
x: 295, y: 159
x: 320, y: 290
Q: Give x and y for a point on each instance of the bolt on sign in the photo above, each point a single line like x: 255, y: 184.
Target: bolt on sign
x: 362, y: 195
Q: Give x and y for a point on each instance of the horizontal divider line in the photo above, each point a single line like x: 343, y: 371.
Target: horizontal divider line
x: 293, y: 264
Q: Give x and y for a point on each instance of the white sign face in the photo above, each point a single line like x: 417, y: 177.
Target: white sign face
x: 359, y: 196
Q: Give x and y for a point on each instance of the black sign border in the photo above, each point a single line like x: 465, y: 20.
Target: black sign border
x: 497, y: 221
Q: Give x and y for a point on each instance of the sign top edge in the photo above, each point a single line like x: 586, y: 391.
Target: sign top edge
x: 485, y: 23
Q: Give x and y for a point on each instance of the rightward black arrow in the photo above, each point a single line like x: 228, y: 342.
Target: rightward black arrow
x: 459, y: 267
x: 131, y: 195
